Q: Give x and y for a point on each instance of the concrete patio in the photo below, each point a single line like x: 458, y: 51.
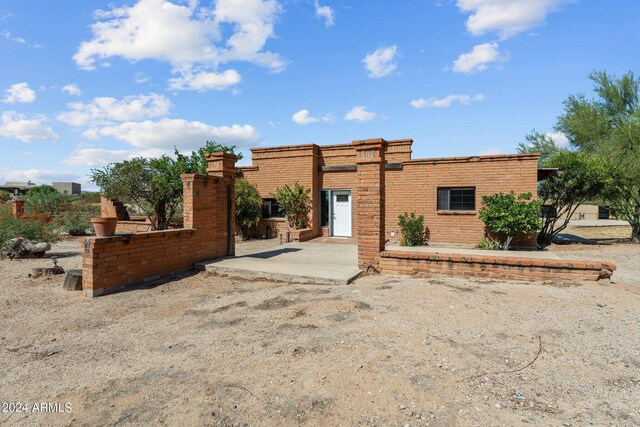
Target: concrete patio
x: 321, y: 263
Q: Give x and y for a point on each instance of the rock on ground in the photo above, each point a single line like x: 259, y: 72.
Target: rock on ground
x: 23, y: 248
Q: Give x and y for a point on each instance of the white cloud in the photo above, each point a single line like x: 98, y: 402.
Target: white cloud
x: 186, y: 35
x: 381, y: 62
x: 18, y: 126
x: 7, y: 35
x: 98, y: 157
x: 20, y: 93
x: 72, y: 89
x: 506, y: 17
x: 140, y: 77
x: 303, y: 117
x: 559, y: 138
x: 39, y: 176
x: 359, y: 113
x: 491, y: 151
x: 204, y: 80
x: 479, y: 58
x: 105, y: 110
x: 326, y: 13
x: 447, y: 101
x: 166, y: 133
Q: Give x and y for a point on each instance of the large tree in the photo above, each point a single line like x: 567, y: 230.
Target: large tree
x: 581, y: 179
x: 608, y: 126
x: 538, y: 142
x: 154, y: 184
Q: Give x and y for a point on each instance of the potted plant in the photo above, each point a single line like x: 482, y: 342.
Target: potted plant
x: 105, y: 226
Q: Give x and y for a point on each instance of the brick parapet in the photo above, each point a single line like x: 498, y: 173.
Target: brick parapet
x: 501, y: 267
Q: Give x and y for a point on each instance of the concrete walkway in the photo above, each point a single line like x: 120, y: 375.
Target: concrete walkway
x: 461, y: 251
x: 321, y: 263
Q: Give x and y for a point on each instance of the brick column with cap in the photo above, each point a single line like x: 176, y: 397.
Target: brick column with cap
x: 370, y: 200
x: 223, y: 165
x: 16, y: 208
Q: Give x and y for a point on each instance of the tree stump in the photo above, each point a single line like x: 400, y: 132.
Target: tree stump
x: 46, y: 271
x: 73, y: 280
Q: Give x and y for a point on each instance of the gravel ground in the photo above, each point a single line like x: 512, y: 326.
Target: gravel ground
x: 211, y: 350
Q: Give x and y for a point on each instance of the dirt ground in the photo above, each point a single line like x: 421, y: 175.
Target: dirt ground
x: 210, y: 350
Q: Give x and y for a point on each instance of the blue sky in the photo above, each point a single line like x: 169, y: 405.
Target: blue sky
x: 85, y: 83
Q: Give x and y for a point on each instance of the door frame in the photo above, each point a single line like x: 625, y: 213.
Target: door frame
x: 332, y: 210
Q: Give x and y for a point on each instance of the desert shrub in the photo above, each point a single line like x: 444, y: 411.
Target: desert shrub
x: 412, y: 228
x: 511, y: 216
x: 488, y: 243
x: 91, y: 196
x: 75, y: 216
x: 295, y: 203
x: 44, y: 201
x: 29, y: 227
x: 248, y: 206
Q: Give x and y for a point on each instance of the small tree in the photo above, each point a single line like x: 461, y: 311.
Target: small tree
x: 153, y: 184
x: 581, y: 178
x: 248, y: 206
x: 295, y: 203
x: 506, y: 214
x: 412, y: 228
x: 4, y: 196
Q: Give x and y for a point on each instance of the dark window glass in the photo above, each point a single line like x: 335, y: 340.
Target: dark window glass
x: 457, y: 199
x: 324, y: 208
x: 342, y: 197
x: 270, y: 209
x: 603, y: 212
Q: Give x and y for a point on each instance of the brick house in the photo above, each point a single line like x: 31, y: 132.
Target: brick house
x: 447, y: 191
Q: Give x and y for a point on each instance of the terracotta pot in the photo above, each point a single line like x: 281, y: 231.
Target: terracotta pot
x: 105, y: 227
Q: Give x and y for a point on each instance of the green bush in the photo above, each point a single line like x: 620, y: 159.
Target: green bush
x: 29, y: 228
x: 488, y: 243
x: 511, y: 216
x: 295, y: 203
x: 4, y: 196
x: 248, y: 206
x: 412, y: 228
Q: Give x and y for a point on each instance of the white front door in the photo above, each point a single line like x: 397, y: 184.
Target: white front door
x: 342, y: 213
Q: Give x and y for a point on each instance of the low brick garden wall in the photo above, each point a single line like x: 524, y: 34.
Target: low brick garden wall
x: 499, y: 267
x: 112, y: 263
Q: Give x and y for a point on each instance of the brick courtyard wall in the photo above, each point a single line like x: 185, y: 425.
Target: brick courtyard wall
x: 511, y: 268
x: 369, y: 200
x: 111, y: 263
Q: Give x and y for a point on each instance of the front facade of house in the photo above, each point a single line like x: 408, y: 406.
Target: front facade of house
x: 446, y: 191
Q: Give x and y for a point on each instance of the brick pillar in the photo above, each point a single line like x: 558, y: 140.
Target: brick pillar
x: 16, y: 208
x: 223, y: 165
x: 369, y: 200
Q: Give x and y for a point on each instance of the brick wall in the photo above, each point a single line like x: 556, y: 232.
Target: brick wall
x: 413, y: 188
x: 113, y: 208
x: 499, y: 267
x: 110, y: 263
